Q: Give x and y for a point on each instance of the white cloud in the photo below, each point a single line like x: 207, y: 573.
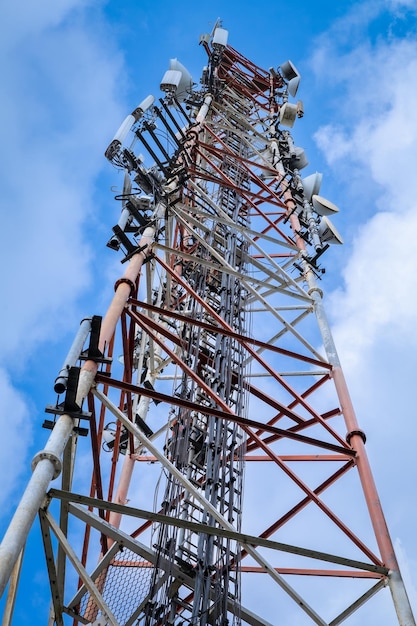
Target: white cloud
x: 398, y: 6
x: 370, y: 143
x: 60, y: 101
x: 16, y: 436
x: 22, y: 18
x: 376, y: 132
x: 378, y: 296
x: 379, y: 126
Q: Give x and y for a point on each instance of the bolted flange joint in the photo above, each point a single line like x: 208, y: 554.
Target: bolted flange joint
x: 127, y: 281
x: 356, y: 432
x: 317, y: 290
x: 50, y: 456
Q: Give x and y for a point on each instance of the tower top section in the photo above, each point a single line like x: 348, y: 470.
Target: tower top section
x: 157, y: 143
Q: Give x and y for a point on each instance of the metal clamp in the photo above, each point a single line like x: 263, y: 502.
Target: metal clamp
x: 360, y: 433
x: 50, y: 456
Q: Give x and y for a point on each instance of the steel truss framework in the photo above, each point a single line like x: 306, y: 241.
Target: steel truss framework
x: 228, y: 408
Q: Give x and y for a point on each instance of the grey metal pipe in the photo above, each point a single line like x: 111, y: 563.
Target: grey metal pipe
x: 11, y: 596
x: 400, y: 598
x: 72, y: 356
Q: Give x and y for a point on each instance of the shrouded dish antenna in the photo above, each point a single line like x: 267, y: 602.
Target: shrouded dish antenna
x: 312, y: 185
x: 292, y: 76
x: 293, y: 85
x: 323, y: 206
x: 288, y: 114
x: 298, y: 159
x: 328, y: 232
x: 289, y: 71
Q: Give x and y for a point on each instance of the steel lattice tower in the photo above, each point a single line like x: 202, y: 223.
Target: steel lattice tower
x: 213, y: 470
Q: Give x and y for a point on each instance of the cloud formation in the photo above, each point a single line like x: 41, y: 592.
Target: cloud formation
x: 59, y: 98
x: 372, y: 148
x: 377, y: 132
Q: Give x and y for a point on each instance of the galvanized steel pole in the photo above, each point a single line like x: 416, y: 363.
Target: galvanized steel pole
x: 47, y: 463
x: 356, y: 438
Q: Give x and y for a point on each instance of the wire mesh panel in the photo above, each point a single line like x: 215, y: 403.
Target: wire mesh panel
x: 126, y: 583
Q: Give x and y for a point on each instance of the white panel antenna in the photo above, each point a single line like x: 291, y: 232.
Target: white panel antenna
x: 220, y: 38
x: 185, y: 85
x: 143, y: 107
x: 170, y: 80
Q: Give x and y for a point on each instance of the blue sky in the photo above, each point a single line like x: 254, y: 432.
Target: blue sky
x: 71, y: 71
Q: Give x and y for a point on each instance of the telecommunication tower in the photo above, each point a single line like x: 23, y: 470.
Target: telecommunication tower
x: 212, y: 468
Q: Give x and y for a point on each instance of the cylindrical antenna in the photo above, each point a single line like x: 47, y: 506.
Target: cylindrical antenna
x: 72, y: 356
